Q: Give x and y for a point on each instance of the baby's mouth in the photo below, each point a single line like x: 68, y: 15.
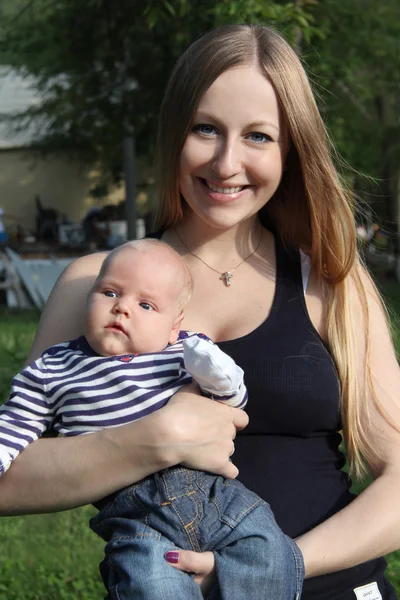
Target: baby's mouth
x: 118, y: 327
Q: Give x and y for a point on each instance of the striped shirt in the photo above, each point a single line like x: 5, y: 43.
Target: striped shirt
x: 75, y: 391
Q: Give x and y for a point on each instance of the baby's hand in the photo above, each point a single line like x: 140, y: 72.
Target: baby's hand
x: 214, y: 371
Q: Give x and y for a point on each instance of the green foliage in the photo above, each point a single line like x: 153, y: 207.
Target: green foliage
x: 356, y: 65
x: 102, y: 65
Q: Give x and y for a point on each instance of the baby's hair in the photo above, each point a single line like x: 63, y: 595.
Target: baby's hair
x: 148, y: 244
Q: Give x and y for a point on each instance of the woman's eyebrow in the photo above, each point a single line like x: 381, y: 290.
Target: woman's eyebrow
x: 263, y: 124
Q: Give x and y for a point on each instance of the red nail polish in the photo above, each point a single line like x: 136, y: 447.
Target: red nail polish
x: 172, y: 557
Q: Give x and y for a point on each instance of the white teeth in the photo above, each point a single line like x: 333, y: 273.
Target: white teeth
x: 222, y: 190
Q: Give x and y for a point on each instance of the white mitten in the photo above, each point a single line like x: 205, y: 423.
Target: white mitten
x: 214, y: 371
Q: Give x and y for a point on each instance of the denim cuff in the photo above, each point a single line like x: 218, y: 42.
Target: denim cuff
x: 300, y: 569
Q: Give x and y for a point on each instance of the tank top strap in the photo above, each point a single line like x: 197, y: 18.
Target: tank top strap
x: 289, y: 283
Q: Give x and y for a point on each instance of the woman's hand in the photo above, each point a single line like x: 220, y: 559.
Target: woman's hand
x: 201, y: 431
x: 202, y: 564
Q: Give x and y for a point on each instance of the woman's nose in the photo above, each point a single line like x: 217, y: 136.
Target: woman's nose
x: 228, y: 159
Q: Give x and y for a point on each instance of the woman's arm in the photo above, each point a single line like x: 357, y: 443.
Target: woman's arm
x: 60, y: 473
x: 369, y: 527
x: 62, y: 317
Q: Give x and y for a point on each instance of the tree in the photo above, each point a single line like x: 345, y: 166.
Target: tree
x: 102, y: 65
x: 355, y: 62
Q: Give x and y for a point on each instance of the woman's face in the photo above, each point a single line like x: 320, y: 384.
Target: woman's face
x: 232, y: 160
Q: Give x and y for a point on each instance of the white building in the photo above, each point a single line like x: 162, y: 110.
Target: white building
x: 60, y: 183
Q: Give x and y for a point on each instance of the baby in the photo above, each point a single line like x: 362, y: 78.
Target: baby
x: 130, y: 361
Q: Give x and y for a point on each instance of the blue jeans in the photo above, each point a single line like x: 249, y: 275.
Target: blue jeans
x: 181, y: 508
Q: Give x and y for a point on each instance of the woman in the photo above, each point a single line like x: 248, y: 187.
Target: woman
x: 246, y: 182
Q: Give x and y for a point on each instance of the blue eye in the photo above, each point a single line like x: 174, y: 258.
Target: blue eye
x: 259, y: 138
x: 204, y: 129
x: 110, y: 294
x: 146, y: 306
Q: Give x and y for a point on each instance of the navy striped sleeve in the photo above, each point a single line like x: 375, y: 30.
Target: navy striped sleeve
x: 25, y: 415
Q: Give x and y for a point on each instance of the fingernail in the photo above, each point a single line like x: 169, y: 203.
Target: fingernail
x: 171, y: 557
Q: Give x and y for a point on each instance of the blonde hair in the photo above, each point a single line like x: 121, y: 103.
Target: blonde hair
x: 311, y: 208
x: 154, y: 244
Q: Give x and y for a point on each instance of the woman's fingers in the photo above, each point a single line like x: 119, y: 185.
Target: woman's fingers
x: 240, y: 418
x: 202, y: 564
x: 199, y: 563
x: 202, y: 432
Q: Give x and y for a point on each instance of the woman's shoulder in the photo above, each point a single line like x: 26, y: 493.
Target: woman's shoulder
x: 62, y: 317
x: 85, y: 265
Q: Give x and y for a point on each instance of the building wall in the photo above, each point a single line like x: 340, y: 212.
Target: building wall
x: 60, y: 184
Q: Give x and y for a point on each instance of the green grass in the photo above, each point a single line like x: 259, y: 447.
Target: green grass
x: 56, y: 556
x: 50, y: 557
x: 17, y: 329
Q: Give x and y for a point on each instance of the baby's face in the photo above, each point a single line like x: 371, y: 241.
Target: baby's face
x: 134, y: 307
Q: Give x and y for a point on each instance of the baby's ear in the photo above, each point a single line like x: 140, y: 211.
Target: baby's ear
x: 176, y: 329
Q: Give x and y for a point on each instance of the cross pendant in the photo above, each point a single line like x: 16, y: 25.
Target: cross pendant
x: 226, y: 278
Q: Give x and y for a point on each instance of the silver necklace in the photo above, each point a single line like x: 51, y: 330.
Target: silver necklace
x: 226, y: 276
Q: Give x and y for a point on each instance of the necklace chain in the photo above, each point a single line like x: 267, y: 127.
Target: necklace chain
x: 226, y: 276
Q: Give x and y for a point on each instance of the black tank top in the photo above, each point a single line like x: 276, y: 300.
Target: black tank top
x: 289, y: 453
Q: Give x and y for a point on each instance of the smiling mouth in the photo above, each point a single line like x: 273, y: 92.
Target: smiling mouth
x: 223, y: 190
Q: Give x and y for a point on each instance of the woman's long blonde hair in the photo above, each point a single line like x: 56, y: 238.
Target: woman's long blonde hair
x: 311, y: 208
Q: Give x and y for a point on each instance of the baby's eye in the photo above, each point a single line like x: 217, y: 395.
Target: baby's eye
x: 258, y: 137
x: 146, y: 306
x: 204, y: 129
x: 110, y: 294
